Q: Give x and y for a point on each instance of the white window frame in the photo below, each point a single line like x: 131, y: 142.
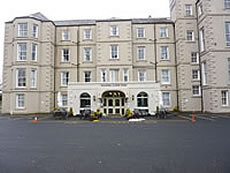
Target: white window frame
x: 229, y: 69
x: 227, y: 33
x: 227, y: 4
x: 87, y: 34
x: 202, y: 40
x: 20, y: 102
x: 34, y: 52
x: 21, y: 54
x: 141, y: 76
x: 164, y: 32
x: 125, y: 75
x: 65, y: 35
x: 168, y: 99
x: 197, y: 75
x: 22, y: 29
x: 188, y: 10
x: 33, y: 78
x: 195, y: 89
x: 200, y: 9
x: 87, y: 76
x: 114, y: 50
x: 64, y: 78
x: 140, y: 32
x: 164, y: 53
x: 190, y: 35
x: 64, y: 99
x: 114, y: 30
x: 195, y: 55
x: 204, y: 73
x: 87, y: 52
x: 65, y: 56
x: 35, y: 31
x: 164, y: 77
x: 103, y: 75
x: 224, y: 98
x: 22, y: 78
x: 141, y: 53
x: 112, y: 75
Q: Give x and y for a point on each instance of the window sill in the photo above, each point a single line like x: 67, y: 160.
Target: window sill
x: 64, y: 86
x: 164, y: 38
x: 20, y: 108
x: 114, y: 59
x: 114, y: 36
x: 164, y: 60
x: 85, y: 39
x: 196, y: 96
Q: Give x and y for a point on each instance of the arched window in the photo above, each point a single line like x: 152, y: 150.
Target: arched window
x: 85, y: 100
x: 142, y: 99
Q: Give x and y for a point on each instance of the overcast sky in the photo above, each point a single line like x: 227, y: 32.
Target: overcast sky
x: 79, y: 9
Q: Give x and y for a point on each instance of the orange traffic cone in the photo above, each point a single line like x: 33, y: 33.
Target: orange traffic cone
x: 193, y: 118
x: 35, y: 119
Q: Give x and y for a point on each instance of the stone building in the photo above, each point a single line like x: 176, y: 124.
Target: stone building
x: 115, y: 64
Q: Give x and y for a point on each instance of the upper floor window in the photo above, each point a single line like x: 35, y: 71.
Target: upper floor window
x: 87, y: 76
x: 20, y: 101
x: 65, y: 35
x: 87, y: 34
x: 22, y: 30
x: 200, y: 10
x: 64, y: 78
x: 195, y: 57
x: 103, y: 75
x: 141, y: 76
x: 196, y: 90
x: 114, y: 52
x: 34, y: 52
x: 141, y: 53
x: 140, y: 32
x: 227, y: 32
x: 190, y: 36
x: 21, y: 78
x: 202, y: 40
x: 35, y: 30
x: 113, y: 75
x: 188, y: 10
x: 164, y: 32
x: 87, y: 54
x: 227, y: 3
x: 195, y: 74
x: 164, y: 53
x: 204, y: 73
x: 126, y: 75
x: 21, y: 51
x: 33, y: 78
x: 114, y: 30
x: 229, y: 70
x: 224, y: 97
x: 65, y: 55
x: 165, y: 76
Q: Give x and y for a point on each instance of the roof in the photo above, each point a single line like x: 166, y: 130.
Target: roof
x: 39, y: 16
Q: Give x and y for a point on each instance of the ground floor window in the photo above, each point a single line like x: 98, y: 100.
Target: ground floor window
x: 85, y: 100
x: 64, y: 100
x: 166, y: 98
x: 142, y: 99
x: 20, y: 101
x: 224, y: 98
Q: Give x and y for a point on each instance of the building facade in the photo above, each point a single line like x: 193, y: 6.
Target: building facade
x: 115, y: 64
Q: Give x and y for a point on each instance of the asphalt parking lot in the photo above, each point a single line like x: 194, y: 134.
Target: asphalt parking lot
x: 111, y: 145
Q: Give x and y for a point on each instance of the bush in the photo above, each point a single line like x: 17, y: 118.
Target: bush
x: 175, y: 109
x: 70, y: 111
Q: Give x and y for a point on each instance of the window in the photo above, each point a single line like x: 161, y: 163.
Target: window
x: 21, y: 78
x: 165, y: 77
x: 141, y: 53
x: 22, y: 29
x: 33, y: 78
x: 166, y: 99
x: 202, y: 40
x: 34, y: 52
x: 85, y: 100
x: 112, y: 75
x: 229, y: 70
x: 65, y: 35
x: 114, y: 52
x: 114, y: 30
x: 142, y: 76
x: 87, y: 34
x: 196, y: 90
x: 164, y: 53
x: 227, y: 32
x: 164, y: 32
x: 87, y: 54
x: 190, y: 35
x: 22, y: 51
x: 142, y: 99
x: 204, y: 73
x: 64, y: 78
x: 195, y: 74
x: 188, y: 10
x: 64, y: 100
x: 65, y: 55
x: 227, y: 4
x: 140, y: 32
x: 200, y: 10
x: 224, y: 98
x: 126, y: 75
x: 87, y: 76
x: 20, y: 101
x: 35, y: 31
x: 103, y: 75
x: 195, y: 57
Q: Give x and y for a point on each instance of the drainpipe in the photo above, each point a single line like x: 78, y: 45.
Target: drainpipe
x: 155, y: 53
x: 55, y: 39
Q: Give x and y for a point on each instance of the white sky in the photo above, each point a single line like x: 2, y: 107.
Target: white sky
x: 79, y: 9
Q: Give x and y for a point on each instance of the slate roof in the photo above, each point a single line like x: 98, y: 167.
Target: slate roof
x: 39, y: 16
